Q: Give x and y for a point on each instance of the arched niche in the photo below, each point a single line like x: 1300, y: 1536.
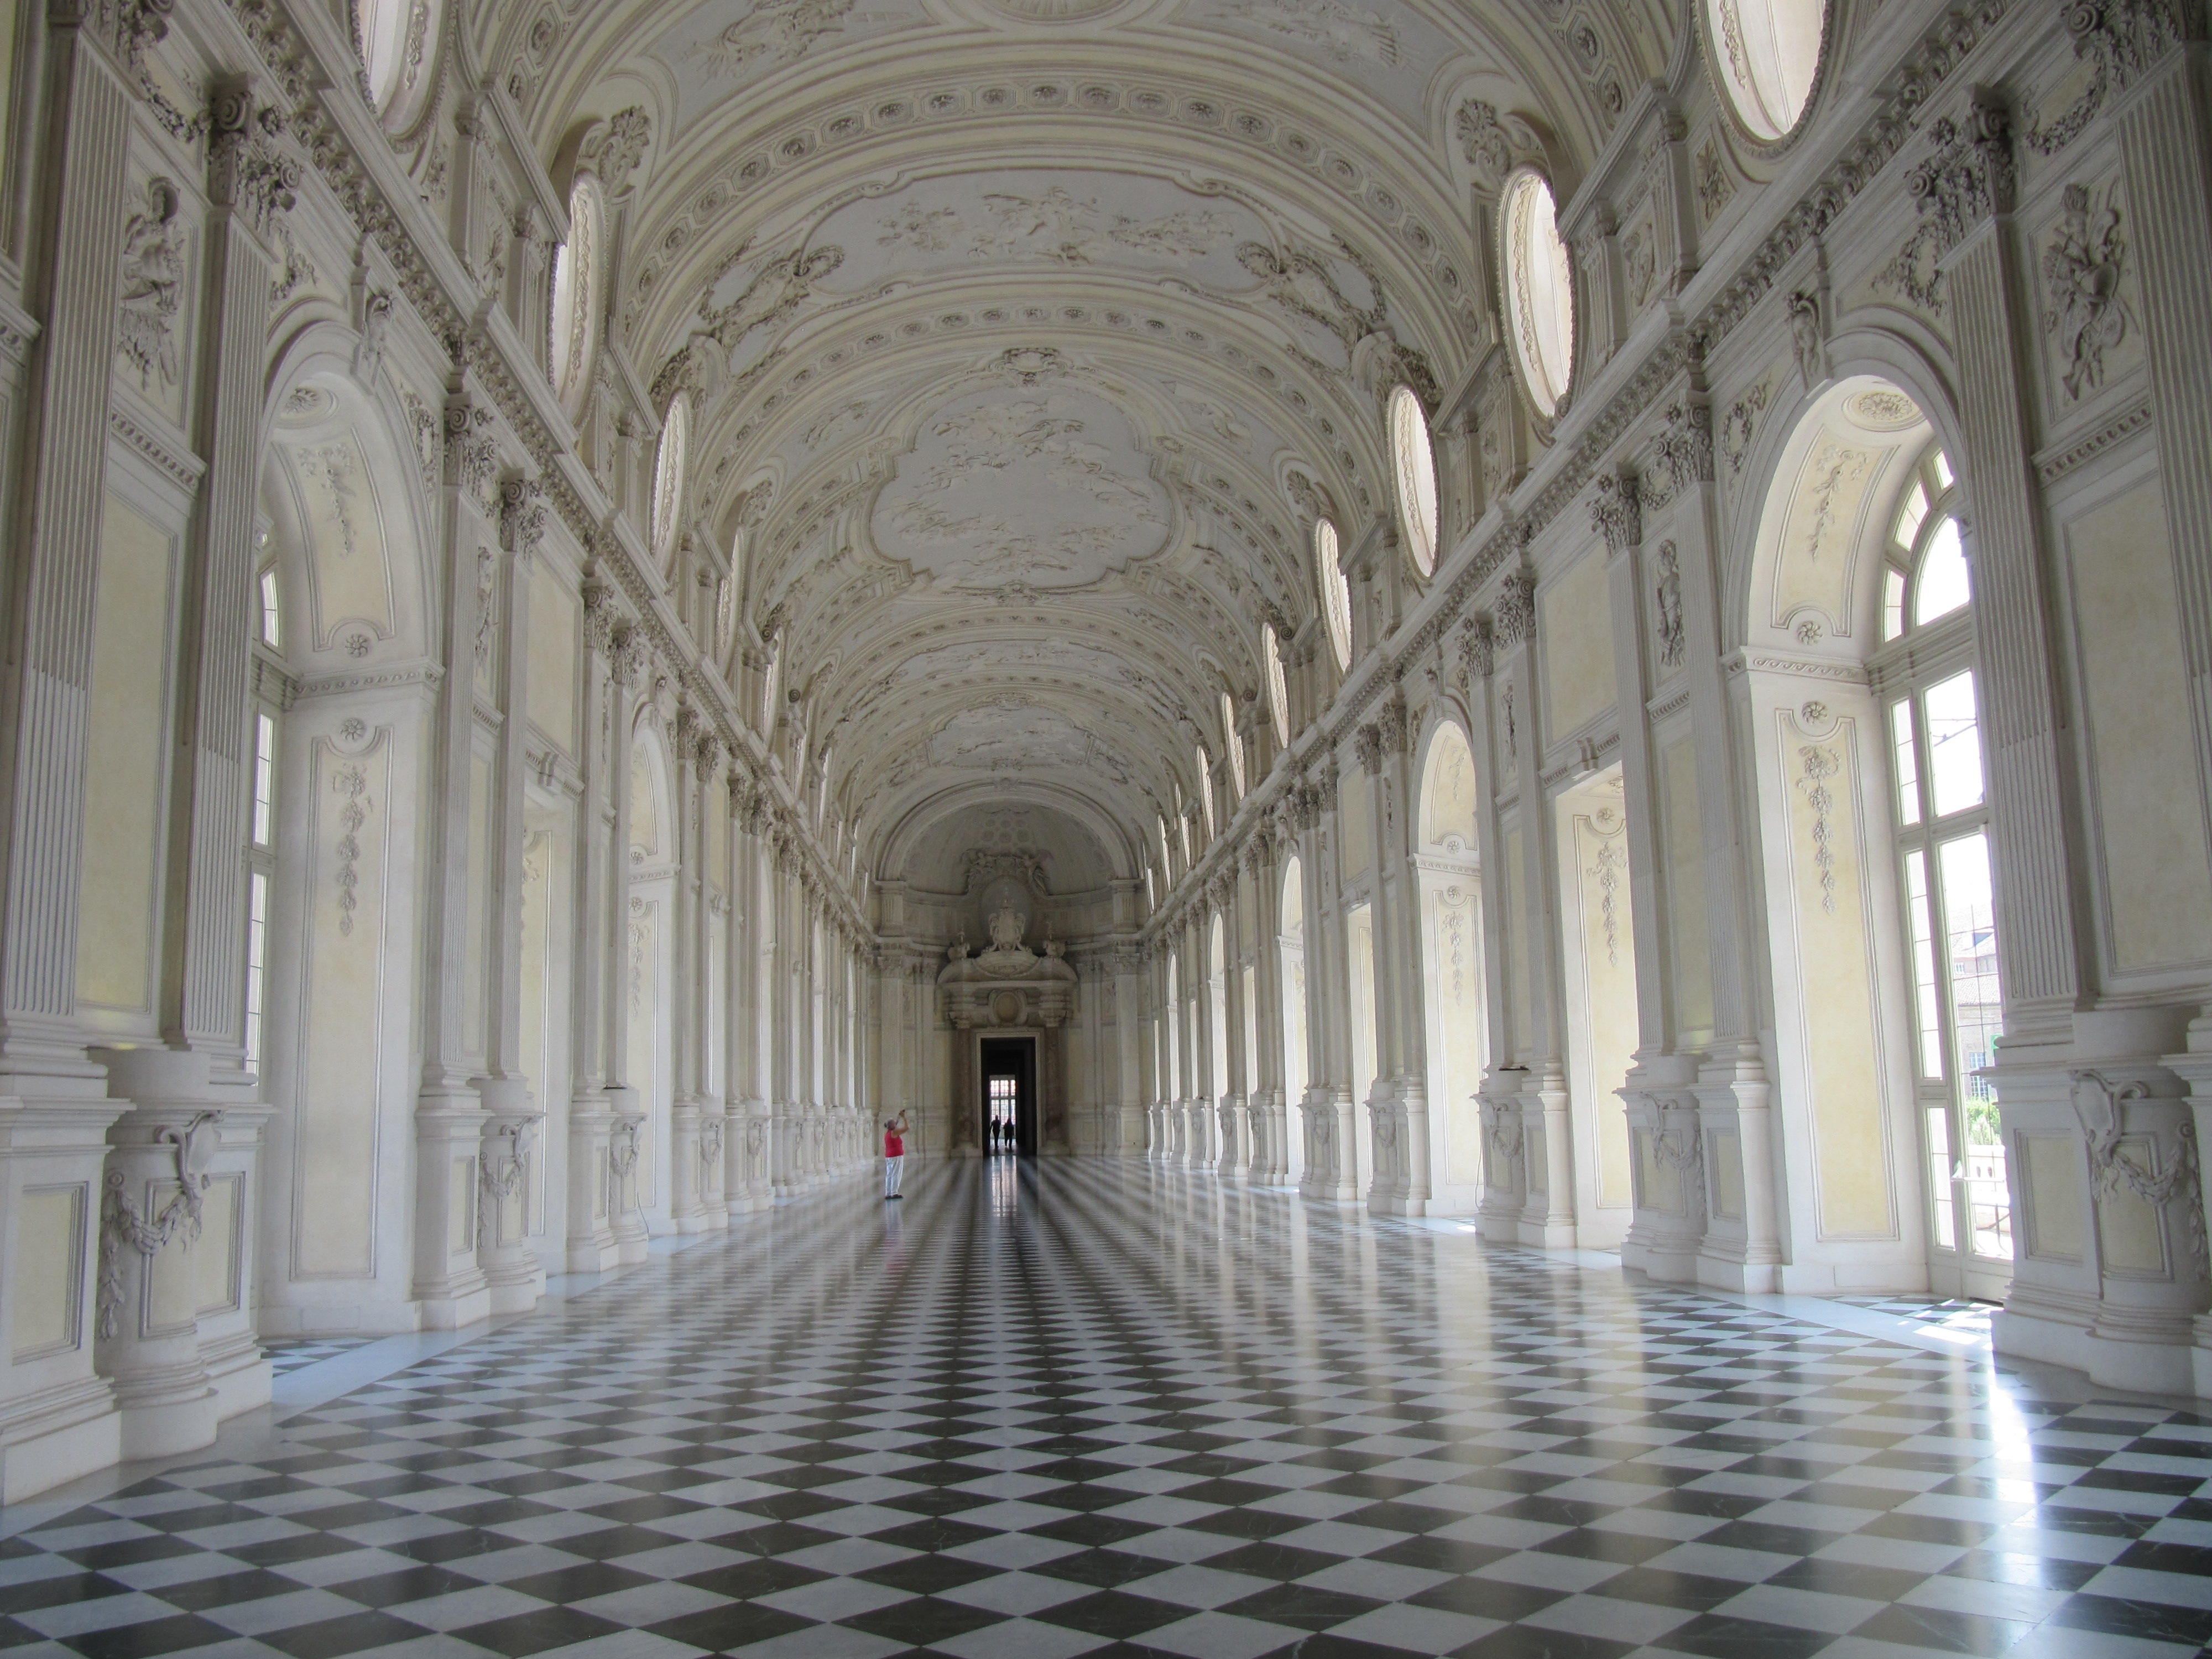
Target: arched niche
x: 1450, y: 919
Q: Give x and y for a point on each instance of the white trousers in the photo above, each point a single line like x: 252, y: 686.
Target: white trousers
x: 893, y: 1168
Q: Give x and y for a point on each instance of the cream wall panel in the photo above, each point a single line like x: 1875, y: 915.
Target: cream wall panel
x: 479, y: 942
x: 349, y: 576
x: 126, y: 752
x: 1686, y: 870
x: 553, y: 659
x: 2157, y: 880
x: 1843, y: 1072
x: 1575, y: 611
x: 1355, y: 815
x: 1601, y: 972
x: 342, y: 1016
x: 2053, y: 1179
x: 46, y: 1282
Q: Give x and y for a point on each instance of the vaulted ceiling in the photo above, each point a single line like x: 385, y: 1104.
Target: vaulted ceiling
x: 1006, y: 323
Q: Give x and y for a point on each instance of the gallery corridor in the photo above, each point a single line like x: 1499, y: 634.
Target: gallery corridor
x: 1050, y: 1408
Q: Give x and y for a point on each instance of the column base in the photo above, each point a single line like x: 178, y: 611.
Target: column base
x: 240, y: 1373
x: 2056, y: 1335
x: 466, y: 1305
x: 593, y: 1256
x: 166, y: 1411
x: 518, y: 1292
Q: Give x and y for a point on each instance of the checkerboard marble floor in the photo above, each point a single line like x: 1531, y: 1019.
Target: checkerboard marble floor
x: 1109, y: 1409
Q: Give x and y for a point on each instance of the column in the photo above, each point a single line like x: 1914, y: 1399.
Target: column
x: 686, y: 1175
x: 515, y: 1121
x: 596, y: 976
x: 627, y: 1127
x: 1398, y: 1104
x: 1235, y: 1109
x: 1271, y: 1128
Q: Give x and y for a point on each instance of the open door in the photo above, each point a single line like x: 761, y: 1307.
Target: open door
x: 1009, y: 1070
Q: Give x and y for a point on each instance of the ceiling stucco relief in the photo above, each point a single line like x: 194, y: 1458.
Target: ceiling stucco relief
x: 1393, y: 52
x: 722, y: 49
x: 1046, y: 487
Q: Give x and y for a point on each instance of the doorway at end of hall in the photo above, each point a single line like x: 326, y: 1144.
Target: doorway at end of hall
x: 1010, y: 1113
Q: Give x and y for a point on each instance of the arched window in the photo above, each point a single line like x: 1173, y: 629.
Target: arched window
x: 1278, y: 689
x: 768, y: 689
x: 397, y: 41
x: 1413, y: 475
x: 1767, y: 55
x: 1167, y: 863
x: 726, y: 616
x: 668, y: 463
x: 1335, y: 591
x: 1926, y: 673
x: 1924, y: 576
x: 1539, y: 290
x: 578, y: 269
x: 1205, y: 792
x: 1235, y: 744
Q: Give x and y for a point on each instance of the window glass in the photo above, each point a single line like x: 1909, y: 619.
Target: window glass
x: 1540, y: 300
x: 397, y: 41
x: 1234, y: 743
x: 1927, y: 993
x: 1413, y: 473
x: 1335, y: 591
x: 1909, y: 515
x: 265, y: 779
x: 1893, y: 603
x: 1279, y: 691
x: 576, y: 274
x: 1977, y: 1015
x: 1944, y: 477
x: 272, y: 615
x: 1943, y: 585
x: 1205, y: 792
x: 668, y: 478
x: 256, y: 962
x: 1906, y: 752
x: 1955, y: 745
x: 1765, y: 54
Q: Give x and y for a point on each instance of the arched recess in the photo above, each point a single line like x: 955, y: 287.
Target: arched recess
x: 1291, y: 944
x: 341, y: 741
x: 1878, y: 904
x: 1450, y: 879
x: 649, y: 1031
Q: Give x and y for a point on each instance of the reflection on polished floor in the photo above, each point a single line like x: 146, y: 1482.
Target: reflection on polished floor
x: 1059, y: 1409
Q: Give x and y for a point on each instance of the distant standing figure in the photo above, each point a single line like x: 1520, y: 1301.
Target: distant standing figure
x: 894, y: 1155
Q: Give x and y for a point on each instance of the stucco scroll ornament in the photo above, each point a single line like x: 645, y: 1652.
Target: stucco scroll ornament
x: 1494, y: 145
x: 2082, y: 264
x: 1514, y: 612
x: 613, y: 147
x: 1669, y: 603
x: 1684, y: 451
x: 1968, y: 178
x: 2122, y: 38
x: 472, y: 454
x: 1678, y: 1143
x: 1502, y: 1134
x: 1819, y: 764
x: 502, y: 1175
x: 152, y: 285
x: 245, y: 169
x: 132, y: 28
x: 1809, y: 338
x: 351, y: 784
x: 122, y: 1227
x: 1617, y: 514
x: 710, y: 1139
x: 1478, y: 648
x: 521, y: 515
x: 2101, y: 1106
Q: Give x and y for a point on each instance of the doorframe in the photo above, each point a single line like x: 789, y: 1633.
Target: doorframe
x: 1029, y: 1105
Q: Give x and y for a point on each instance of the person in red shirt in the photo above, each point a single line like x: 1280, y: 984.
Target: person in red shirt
x: 894, y: 1155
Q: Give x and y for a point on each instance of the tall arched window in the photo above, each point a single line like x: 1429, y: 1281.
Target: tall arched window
x: 1234, y: 744
x: 397, y: 41
x: 668, y: 465
x: 1767, y: 55
x: 1278, y: 689
x: 1335, y: 591
x: 1926, y: 674
x: 1539, y: 290
x: 1205, y: 792
x: 1413, y: 478
x: 775, y: 672
x: 578, y: 272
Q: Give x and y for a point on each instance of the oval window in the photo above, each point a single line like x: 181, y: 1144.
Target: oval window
x: 397, y: 41
x: 1539, y: 291
x: 576, y: 271
x: 1233, y: 744
x: 1413, y: 473
x: 1335, y: 591
x: 1279, y: 689
x: 668, y: 478
x: 1767, y: 55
